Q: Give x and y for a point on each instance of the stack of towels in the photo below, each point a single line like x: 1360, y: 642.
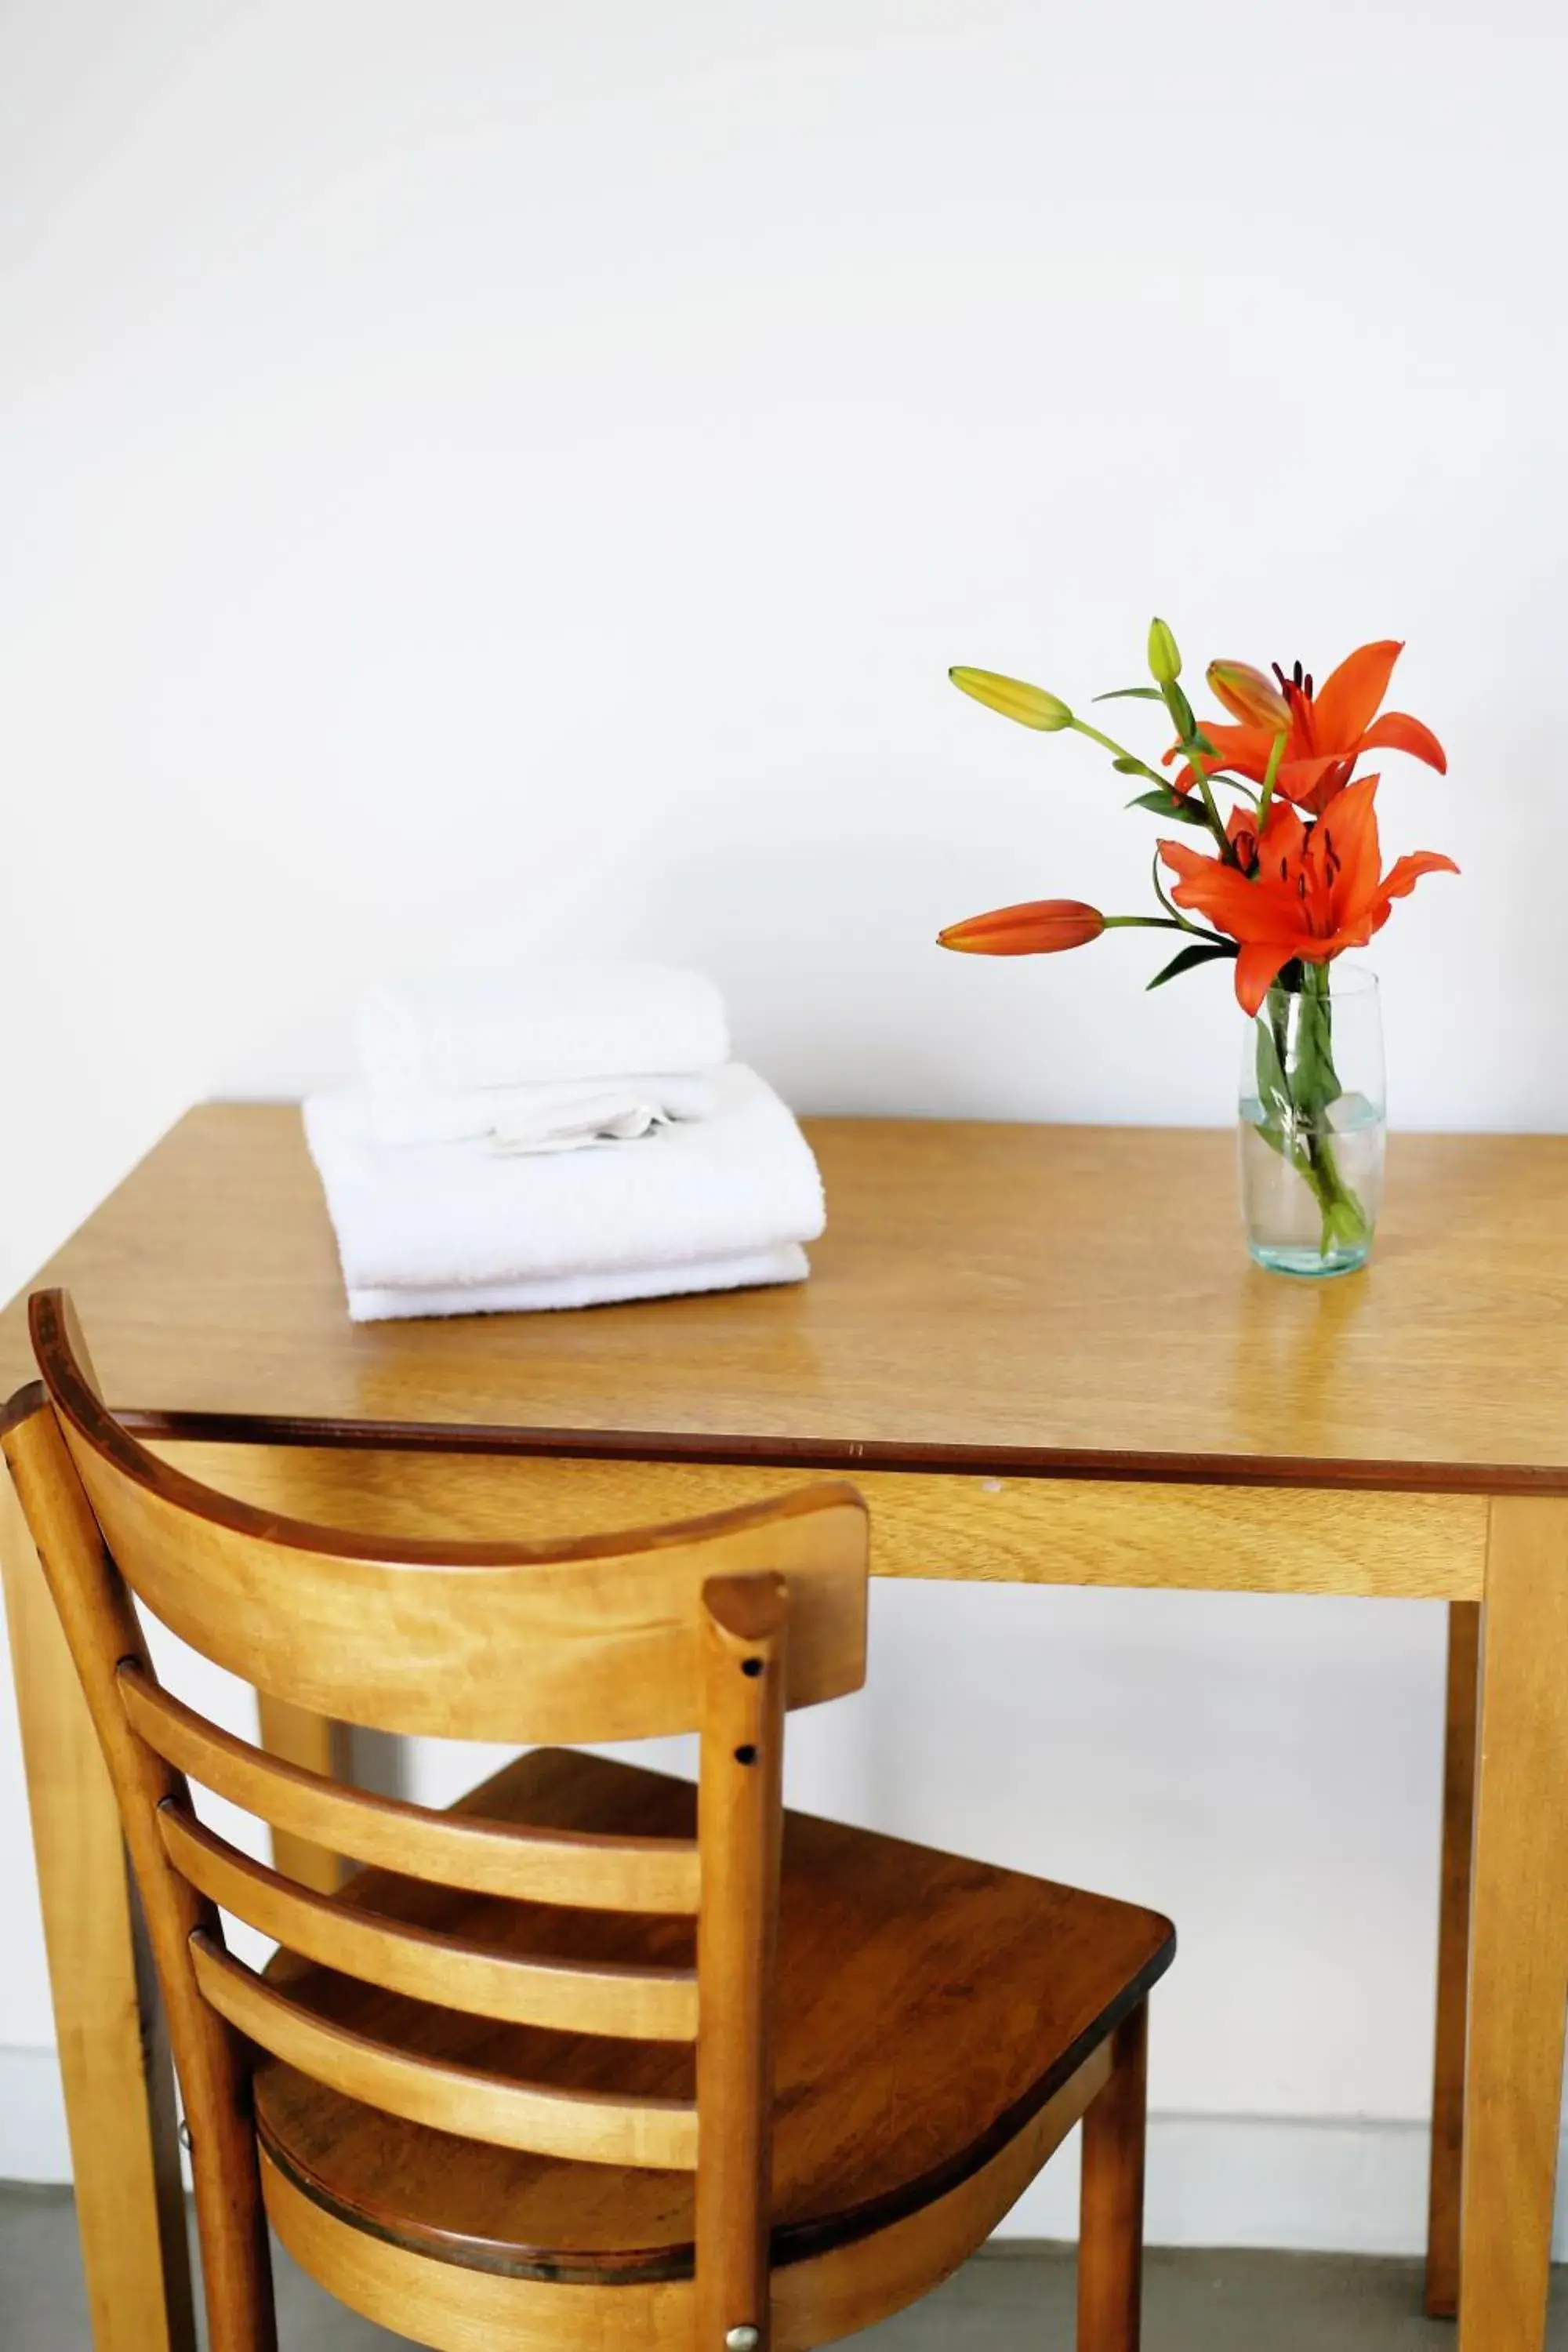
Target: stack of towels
x: 557, y: 1136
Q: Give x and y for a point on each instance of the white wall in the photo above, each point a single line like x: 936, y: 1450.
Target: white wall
x: 496, y: 475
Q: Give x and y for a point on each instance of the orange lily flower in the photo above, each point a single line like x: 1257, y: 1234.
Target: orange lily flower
x: 1328, y: 733
x: 1038, y: 927
x: 1317, y: 890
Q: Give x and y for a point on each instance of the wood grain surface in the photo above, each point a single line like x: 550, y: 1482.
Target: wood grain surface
x: 1220, y: 1538
x: 816, y: 2299
x: 928, y: 2005
x: 1518, y: 1935
x: 1014, y: 1299
x: 110, y: 2034
x: 591, y: 1638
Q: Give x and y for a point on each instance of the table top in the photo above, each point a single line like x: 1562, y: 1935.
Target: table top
x: 1014, y: 1299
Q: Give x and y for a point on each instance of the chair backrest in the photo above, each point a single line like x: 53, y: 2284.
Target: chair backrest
x: 715, y: 1625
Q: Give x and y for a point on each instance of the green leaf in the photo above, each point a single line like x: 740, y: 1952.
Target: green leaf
x: 1165, y: 803
x: 1181, y: 711
x: 1297, y: 1084
x: 1344, y: 1219
x: 1128, y: 766
x: 1131, y: 694
x: 1317, y: 1080
x: 1273, y: 1094
x: 1189, y: 960
x: 1201, y: 743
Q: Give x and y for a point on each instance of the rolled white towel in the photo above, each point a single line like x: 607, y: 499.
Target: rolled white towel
x: 558, y: 1114
x: 453, y: 1216
x: 540, y: 1021
x: 746, y: 1270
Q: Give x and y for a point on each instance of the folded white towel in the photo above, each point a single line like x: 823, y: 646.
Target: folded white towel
x: 540, y: 1021
x: 452, y: 1216
x: 556, y: 1115
x: 748, y: 1269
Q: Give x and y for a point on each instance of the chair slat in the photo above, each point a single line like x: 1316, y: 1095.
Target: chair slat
x: 659, y: 2135
x: 654, y: 1875
x: 636, y: 2004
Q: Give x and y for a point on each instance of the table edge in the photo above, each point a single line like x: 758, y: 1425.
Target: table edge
x: 843, y: 1456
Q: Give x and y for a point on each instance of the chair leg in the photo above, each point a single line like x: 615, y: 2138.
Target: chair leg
x: 1111, y: 2229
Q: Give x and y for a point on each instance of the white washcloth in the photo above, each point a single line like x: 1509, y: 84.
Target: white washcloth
x: 748, y: 1269
x: 457, y: 1216
x: 540, y: 1021
x: 557, y: 1115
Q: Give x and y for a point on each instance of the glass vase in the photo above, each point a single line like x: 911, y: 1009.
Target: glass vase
x: 1313, y: 1121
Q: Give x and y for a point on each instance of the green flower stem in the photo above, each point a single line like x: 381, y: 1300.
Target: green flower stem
x: 1161, y: 923
x: 1189, y: 735
x: 1270, y: 777
x: 1343, y: 1217
x: 1200, y: 773
x: 1296, y: 1093
x: 1174, y: 912
x: 1119, y: 752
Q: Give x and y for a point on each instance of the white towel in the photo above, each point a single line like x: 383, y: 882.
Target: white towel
x: 747, y: 1270
x: 457, y: 1216
x: 540, y: 1021
x: 558, y: 1115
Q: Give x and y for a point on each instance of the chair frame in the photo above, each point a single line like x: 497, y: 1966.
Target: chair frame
x: 692, y: 1626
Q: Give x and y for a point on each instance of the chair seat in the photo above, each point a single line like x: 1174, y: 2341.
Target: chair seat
x: 928, y: 2007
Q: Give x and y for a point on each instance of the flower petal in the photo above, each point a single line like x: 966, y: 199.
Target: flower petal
x: 1211, y: 886
x: 1397, y: 731
x: 1284, y: 838
x: 1245, y: 749
x: 1189, y: 862
x: 1347, y: 854
x: 1258, y: 967
x: 1037, y: 926
x: 1309, y: 781
x: 1401, y: 878
x: 1241, y: 832
x: 1403, y: 875
x: 1347, y: 702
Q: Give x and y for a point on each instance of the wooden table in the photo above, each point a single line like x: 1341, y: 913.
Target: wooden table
x: 1043, y: 1356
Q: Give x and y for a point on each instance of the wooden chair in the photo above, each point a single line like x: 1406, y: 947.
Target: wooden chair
x: 595, y: 2061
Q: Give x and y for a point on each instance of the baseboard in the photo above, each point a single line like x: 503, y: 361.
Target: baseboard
x: 1355, y: 2186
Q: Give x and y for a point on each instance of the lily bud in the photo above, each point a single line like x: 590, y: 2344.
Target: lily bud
x: 1249, y: 696
x: 1039, y: 927
x: 1164, y: 661
x: 1031, y: 706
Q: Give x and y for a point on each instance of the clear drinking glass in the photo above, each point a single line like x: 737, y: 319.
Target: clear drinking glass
x: 1313, y: 1121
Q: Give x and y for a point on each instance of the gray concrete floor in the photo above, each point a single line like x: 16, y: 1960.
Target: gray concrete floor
x: 1012, y: 2298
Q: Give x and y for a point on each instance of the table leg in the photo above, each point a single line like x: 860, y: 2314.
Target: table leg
x: 1519, y: 1932
x: 1453, y: 1961
x: 318, y: 1745
x: 113, y: 2051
